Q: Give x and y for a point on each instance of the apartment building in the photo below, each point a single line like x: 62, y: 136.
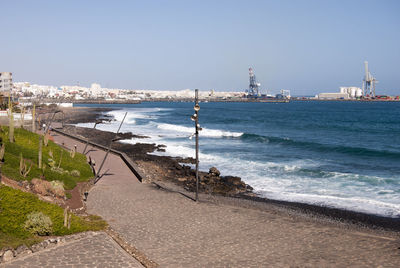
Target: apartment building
x: 5, y: 82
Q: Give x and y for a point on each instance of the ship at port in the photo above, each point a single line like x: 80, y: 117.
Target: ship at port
x: 253, y: 93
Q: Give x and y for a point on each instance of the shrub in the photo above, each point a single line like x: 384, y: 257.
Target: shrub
x: 58, y: 170
x: 75, y: 173
x: 23, y: 166
x: 57, y: 187
x: 46, y: 138
x: 38, y: 223
x: 2, y: 151
x: 72, y: 152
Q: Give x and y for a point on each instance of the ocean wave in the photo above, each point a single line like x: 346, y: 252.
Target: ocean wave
x: 182, y: 150
x: 315, y: 146
x: 359, y: 204
x: 131, y: 116
x: 309, y: 171
x: 213, y: 133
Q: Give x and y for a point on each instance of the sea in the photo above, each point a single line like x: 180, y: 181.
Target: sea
x: 337, y: 154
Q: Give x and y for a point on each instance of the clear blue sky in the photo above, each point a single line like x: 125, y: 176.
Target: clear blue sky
x: 305, y: 46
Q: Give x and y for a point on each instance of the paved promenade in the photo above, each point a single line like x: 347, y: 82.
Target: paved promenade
x: 92, y: 251
x: 174, y: 231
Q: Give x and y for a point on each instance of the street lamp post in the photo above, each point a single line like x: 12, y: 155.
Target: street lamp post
x: 195, y: 118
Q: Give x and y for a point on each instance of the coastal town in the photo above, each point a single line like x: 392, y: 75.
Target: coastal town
x: 26, y: 92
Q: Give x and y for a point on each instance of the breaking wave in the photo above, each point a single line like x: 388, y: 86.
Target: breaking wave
x: 213, y: 133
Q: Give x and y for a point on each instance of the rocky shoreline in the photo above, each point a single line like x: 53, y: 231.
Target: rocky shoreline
x: 165, y: 168
x: 173, y: 170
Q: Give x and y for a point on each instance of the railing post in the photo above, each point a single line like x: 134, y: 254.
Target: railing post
x: 108, y: 150
x: 87, y: 141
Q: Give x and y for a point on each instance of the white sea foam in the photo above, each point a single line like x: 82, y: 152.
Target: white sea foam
x: 337, y: 190
x: 111, y: 126
x: 215, y: 133
x: 359, y: 204
x: 136, y: 113
x: 282, y: 182
x: 130, y: 116
x: 185, y: 150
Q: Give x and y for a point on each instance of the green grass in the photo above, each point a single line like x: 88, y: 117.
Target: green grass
x: 15, y: 205
x: 27, y: 143
x: 11, y: 241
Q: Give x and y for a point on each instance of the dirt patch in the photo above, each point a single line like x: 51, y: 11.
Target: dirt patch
x: 76, y: 200
x: 13, y: 184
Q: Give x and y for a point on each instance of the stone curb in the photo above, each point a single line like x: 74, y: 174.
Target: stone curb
x: 131, y: 250
x: 9, y: 254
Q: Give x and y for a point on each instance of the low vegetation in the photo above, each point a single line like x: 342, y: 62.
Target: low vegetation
x: 59, y: 164
x: 21, y: 212
x: 24, y: 218
x: 38, y: 224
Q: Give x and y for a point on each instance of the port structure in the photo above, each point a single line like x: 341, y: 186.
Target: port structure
x: 254, y: 86
x: 369, y: 82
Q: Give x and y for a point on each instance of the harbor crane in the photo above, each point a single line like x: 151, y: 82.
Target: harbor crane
x: 254, y: 86
x: 369, y: 82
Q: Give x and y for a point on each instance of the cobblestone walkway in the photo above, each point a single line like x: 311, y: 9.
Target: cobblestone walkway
x: 174, y: 231
x: 93, y: 251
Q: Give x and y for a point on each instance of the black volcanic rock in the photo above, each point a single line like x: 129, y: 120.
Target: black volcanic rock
x: 214, y: 171
x: 159, y: 168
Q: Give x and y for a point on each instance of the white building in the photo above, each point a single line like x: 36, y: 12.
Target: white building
x: 354, y: 92
x: 5, y: 82
x: 96, y: 90
x: 333, y: 96
x: 95, y: 87
x: 345, y: 93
